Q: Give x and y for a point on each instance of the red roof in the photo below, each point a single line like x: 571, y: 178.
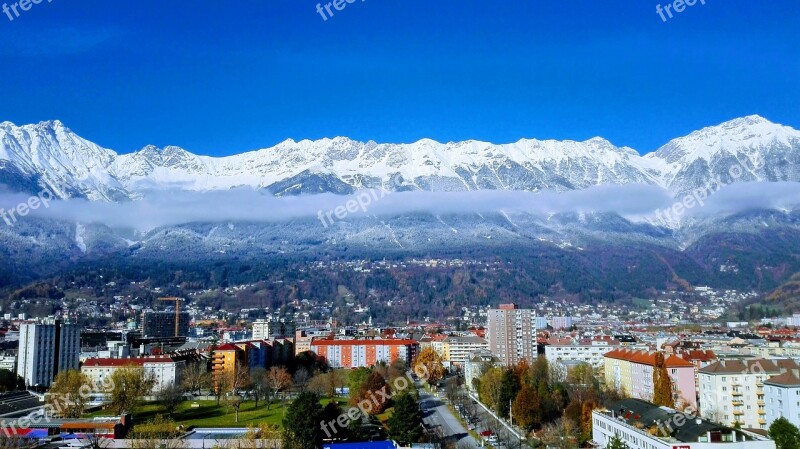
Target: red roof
x: 647, y: 358
x: 397, y: 342
x: 138, y: 361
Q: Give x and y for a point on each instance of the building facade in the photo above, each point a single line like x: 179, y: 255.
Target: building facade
x: 162, y: 324
x: 271, y: 328
x: 732, y: 391
x: 47, y: 349
x: 631, y: 373
x: 511, y: 334
x: 642, y: 425
x: 782, y: 397
x: 166, y: 371
x: 364, y: 353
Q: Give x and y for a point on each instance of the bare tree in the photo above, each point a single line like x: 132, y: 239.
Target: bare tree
x: 279, y: 379
x: 301, y: 378
x: 169, y: 397
x: 260, y: 384
x: 196, y: 377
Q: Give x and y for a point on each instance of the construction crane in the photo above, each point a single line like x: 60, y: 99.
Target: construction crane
x: 177, y: 302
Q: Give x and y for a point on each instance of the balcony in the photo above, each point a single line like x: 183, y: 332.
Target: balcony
x: 762, y: 421
x: 738, y: 403
x: 736, y: 393
x: 761, y: 411
x: 760, y: 403
x: 738, y: 412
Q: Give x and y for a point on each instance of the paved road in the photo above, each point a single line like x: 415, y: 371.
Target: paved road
x: 438, y: 415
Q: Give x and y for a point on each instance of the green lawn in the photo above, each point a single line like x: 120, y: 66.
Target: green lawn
x: 209, y: 414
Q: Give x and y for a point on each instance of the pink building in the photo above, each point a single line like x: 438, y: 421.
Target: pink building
x: 640, y: 383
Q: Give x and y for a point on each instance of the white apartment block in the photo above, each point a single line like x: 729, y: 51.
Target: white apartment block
x: 458, y: 349
x: 45, y: 350
x: 732, y: 391
x: 512, y: 334
x: 165, y: 371
x: 642, y: 425
x: 782, y: 397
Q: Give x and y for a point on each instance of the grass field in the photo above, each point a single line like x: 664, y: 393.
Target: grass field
x: 209, y: 414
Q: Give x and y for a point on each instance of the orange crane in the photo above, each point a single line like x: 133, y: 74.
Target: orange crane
x: 177, y: 302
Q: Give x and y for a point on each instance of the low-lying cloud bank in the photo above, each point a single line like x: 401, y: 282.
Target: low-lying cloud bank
x: 635, y: 202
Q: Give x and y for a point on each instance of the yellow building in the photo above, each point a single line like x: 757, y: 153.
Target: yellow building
x: 224, y: 362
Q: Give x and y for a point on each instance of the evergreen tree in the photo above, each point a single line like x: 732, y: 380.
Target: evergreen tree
x: 405, y: 424
x: 301, y: 426
x: 617, y: 443
x: 785, y: 434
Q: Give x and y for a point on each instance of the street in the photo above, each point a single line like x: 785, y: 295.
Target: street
x: 437, y: 415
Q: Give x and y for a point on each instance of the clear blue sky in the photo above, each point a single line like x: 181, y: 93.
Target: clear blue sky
x: 222, y: 77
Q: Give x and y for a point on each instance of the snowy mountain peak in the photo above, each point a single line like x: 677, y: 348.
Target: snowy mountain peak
x: 49, y: 154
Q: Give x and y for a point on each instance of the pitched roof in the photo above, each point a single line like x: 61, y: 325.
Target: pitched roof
x: 790, y: 378
x: 647, y: 358
x: 750, y: 366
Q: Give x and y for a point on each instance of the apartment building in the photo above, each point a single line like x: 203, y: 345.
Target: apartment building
x: 782, y: 397
x: 458, y: 349
x: 165, y: 370
x: 732, y: 391
x: 162, y: 324
x: 631, y: 372
x: 511, y: 334
x: 364, y: 353
x: 642, y: 425
x: 585, y: 350
x: 271, y: 328
x: 225, y: 361
x: 45, y: 350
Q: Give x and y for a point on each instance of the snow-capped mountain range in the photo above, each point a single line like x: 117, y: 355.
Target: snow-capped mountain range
x: 49, y: 155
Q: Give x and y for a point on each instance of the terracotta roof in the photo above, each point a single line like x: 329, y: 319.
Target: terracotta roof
x: 136, y: 361
x: 647, y: 358
x: 228, y: 347
x: 363, y: 342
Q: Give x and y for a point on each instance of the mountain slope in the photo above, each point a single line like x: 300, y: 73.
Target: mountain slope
x: 49, y: 155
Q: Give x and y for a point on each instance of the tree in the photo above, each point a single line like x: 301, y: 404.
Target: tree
x: 129, y: 384
x: 616, y: 443
x: 158, y: 433
x: 526, y: 409
x: 509, y: 387
x: 278, y: 379
x: 260, y: 384
x: 429, y: 366
x: 68, y: 396
x: 355, y: 380
x: 196, y: 378
x: 301, y: 426
x: 662, y: 384
x: 375, y: 391
x: 301, y: 378
x: 169, y: 397
x: 785, y: 434
x: 10, y: 381
x: 405, y: 424
x: 264, y: 436
x: 562, y: 434
x: 489, y: 391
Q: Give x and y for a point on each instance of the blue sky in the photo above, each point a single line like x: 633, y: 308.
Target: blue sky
x: 224, y: 77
